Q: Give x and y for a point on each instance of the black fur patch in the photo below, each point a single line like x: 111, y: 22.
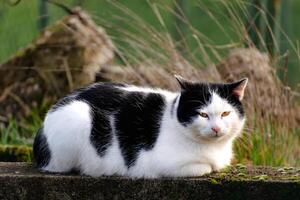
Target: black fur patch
x: 191, y: 99
x: 138, y: 123
x: 66, y: 100
x: 89, y: 94
x: 105, y: 100
x: 101, y: 136
x: 196, y: 95
x: 41, y: 150
x: 137, y: 118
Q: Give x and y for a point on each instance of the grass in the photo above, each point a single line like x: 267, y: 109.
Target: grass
x: 271, y: 145
x: 11, y: 135
x: 22, y: 132
x: 144, y: 32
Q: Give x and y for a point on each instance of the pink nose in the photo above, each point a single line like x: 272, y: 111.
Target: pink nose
x: 215, y: 129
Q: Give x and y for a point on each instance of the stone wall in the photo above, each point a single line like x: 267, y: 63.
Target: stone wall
x: 23, y: 181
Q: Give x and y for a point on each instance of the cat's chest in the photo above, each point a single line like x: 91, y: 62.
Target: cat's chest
x: 204, y: 152
x: 189, y: 152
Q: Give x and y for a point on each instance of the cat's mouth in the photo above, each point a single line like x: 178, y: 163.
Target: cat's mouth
x: 211, y: 137
x: 215, y: 136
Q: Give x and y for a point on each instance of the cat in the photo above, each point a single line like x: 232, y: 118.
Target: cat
x: 120, y: 129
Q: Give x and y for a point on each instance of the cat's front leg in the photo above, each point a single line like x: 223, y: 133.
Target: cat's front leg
x: 193, y: 169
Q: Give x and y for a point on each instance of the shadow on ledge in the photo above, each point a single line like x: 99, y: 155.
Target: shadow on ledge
x: 23, y: 181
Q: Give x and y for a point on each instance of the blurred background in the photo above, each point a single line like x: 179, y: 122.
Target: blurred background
x: 203, y: 32
x: 272, y: 24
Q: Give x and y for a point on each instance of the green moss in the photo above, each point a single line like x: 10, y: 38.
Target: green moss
x: 261, y: 177
x: 222, y: 175
x: 292, y: 178
x: 280, y: 170
x: 15, y: 153
x: 226, y: 169
x: 214, y: 181
x: 242, y: 175
x: 288, y: 168
x: 240, y: 166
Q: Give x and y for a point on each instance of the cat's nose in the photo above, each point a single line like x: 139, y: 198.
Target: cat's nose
x: 216, y: 129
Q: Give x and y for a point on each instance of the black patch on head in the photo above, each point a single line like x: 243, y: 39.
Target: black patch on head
x: 197, y: 95
x: 191, y: 99
x: 41, y: 151
x: 138, y: 123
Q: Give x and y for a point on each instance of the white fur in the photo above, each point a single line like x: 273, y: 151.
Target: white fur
x: 179, y: 151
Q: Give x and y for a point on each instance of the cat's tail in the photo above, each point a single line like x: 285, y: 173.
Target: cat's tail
x: 41, y: 151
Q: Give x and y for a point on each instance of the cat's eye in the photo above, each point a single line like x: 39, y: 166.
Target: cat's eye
x: 224, y: 114
x: 202, y: 114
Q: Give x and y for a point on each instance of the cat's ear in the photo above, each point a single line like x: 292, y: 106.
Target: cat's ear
x: 182, y: 82
x: 238, y: 88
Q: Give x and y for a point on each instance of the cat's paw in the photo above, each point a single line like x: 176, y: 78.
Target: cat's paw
x: 203, y: 169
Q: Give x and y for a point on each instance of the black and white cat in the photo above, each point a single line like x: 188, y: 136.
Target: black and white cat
x: 119, y: 129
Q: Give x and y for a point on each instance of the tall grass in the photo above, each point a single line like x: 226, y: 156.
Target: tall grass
x: 22, y: 132
x: 271, y: 145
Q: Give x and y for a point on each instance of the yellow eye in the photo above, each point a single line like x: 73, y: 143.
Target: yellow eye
x: 202, y: 114
x: 224, y: 114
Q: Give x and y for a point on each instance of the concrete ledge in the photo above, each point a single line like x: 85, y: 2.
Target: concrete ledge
x: 23, y: 181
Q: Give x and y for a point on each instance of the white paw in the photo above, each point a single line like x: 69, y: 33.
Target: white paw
x: 195, y: 169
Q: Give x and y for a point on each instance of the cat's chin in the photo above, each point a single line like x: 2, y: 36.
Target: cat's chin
x: 209, y: 138
x: 213, y: 138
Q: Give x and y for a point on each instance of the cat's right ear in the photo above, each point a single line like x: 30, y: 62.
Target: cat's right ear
x: 182, y: 82
x: 238, y: 88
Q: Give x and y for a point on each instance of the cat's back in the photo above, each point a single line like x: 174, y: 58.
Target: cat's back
x: 114, y: 96
x: 104, y: 95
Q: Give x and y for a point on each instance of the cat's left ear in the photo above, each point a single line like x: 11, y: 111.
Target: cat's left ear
x: 238, y: 88
x: 182, y: 82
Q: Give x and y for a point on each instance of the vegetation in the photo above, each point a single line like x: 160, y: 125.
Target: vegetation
x: 144, y: 32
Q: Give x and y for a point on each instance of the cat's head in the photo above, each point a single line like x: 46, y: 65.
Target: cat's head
x: 211, y: 111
